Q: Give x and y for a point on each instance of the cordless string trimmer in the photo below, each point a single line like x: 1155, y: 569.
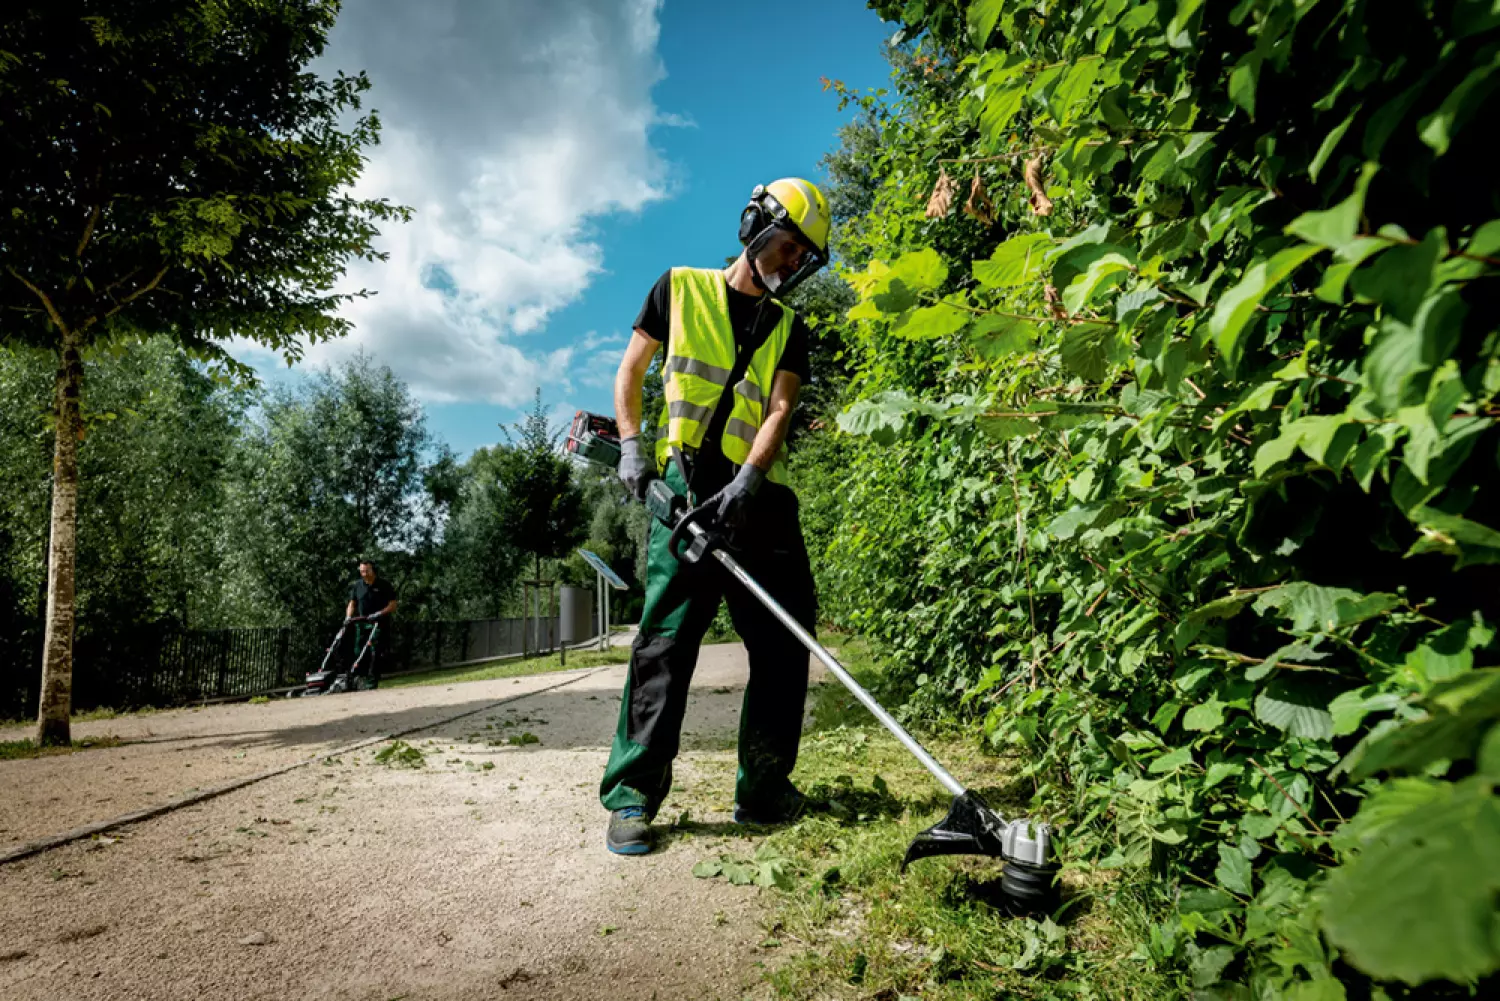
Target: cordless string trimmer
x: 971, y: 826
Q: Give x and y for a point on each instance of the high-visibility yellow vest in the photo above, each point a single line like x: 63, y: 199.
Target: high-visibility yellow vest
x: 700, y: 357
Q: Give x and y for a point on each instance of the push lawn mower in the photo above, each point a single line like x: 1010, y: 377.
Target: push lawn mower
x: 1028, y: 882
x: 330, y: 681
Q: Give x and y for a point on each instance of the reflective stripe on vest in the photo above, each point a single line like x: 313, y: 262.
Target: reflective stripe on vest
x: 692, y: 366
x: 750, y: 391
x: 700, y: 359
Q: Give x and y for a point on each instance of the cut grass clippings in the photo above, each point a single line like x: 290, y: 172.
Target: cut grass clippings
x: 12, y: 750
x: 400, y: 754
x: 577, y: 660
x: 851, y: 926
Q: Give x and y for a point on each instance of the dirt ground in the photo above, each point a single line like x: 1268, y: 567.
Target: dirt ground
x: 480, y: 875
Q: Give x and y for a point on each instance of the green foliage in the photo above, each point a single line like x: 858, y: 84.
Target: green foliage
x: 160, y: 437
x: 15, y: 750
x: 1185, y: 490
x: 328, y: 474
x: 173, y: 168
x: 540, y: 505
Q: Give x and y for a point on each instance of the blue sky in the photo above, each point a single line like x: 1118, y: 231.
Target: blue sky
x: 560, y: 155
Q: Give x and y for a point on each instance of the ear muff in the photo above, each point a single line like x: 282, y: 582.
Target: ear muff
x: 755, y: 218
x: 752, y: 222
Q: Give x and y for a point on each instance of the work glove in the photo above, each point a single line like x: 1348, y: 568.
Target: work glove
x: 729, y: 506
x: 636, y: 471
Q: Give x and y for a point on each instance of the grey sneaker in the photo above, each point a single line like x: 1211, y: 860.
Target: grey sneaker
x: 629, y: 832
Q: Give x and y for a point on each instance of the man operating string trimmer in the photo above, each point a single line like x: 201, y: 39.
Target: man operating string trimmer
x: 735, y: 360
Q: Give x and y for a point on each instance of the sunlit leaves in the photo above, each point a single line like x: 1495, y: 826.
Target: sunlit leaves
x: 1017, y: 261
x: 996, y: 337
x: 1438, y: 128
x: 1102, y: 272
x: 1297, y: 709
x: 930, y: 322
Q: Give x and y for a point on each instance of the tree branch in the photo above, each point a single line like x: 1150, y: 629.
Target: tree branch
x: 88, y: 231
x: 52, y: 312
x: 155, y: 281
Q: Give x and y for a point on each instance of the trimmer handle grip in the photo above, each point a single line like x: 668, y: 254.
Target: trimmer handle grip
x: 665, y: 504
x: 671, y: 509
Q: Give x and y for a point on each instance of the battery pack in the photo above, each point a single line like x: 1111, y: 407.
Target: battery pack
x: 594, y: 438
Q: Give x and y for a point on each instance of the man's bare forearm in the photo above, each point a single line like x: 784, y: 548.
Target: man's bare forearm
x: 627, y: 403
x: 777, y: 422
x: 629, y: 379
x: 768, y: 440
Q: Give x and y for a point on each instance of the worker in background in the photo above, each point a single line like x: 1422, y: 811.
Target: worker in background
x: 372, y: 600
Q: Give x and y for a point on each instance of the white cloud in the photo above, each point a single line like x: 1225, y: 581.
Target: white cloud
x: 509, y: 127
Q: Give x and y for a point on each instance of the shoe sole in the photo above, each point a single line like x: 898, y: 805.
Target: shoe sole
x: 635, y: 848
x: 742, y: 817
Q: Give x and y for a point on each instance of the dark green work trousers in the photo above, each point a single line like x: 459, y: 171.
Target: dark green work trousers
x: 681, y: 602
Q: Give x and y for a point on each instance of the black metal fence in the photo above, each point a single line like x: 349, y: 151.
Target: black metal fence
x: 165, y: 666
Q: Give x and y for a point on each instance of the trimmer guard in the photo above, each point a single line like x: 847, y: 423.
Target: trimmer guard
x: 972, y: 828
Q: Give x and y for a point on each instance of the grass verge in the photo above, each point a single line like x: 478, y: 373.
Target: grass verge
x: 86, y: 715
x: 577, y: 659
x: 850, y: 926
x: 12, y: 750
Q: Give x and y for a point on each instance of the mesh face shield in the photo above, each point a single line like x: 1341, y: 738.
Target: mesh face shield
x: 782, y: 258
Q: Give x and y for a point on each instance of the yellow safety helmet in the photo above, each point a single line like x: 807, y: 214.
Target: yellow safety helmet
x: 794, y: 206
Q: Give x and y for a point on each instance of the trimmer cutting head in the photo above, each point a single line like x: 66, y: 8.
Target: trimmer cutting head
x: 972, y: 828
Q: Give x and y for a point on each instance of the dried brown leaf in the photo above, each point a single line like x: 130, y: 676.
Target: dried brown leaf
x: 941, y: 202
x: 979, y: 205
x: 1040, y: 203
x: 1054, y: 302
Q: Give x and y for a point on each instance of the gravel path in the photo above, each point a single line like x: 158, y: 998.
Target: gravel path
x: 480, y: 875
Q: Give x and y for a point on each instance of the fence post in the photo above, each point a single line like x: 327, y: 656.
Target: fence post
x: 223, y: 663
x: 283, y: 635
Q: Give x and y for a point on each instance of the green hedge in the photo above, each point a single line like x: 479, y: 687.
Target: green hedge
x: 1176, y: 464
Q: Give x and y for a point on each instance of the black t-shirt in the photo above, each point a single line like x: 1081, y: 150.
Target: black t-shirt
x: 752, y: 318
x: 371, y: 598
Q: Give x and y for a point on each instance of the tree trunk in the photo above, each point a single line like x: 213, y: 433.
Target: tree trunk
x: 56, y: 705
